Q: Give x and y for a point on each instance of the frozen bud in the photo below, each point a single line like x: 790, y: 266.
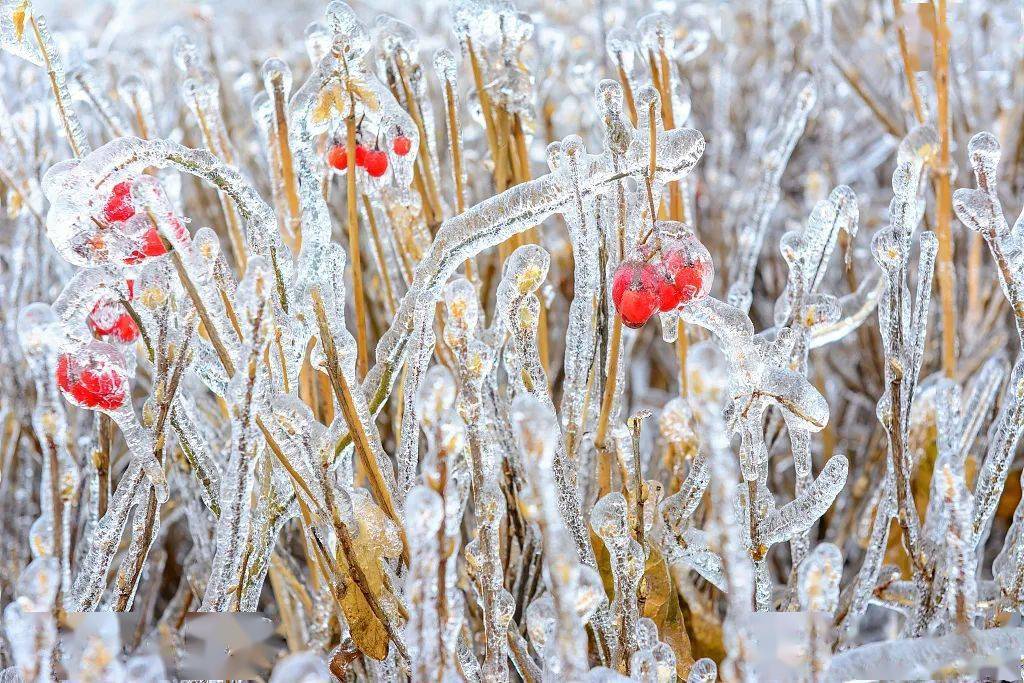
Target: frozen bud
x: 655, y: 32
x: 621, y: 48
x: 609, y: 518
x: 646, y: 633
x: 436, y: 394
x: 516, y: 27
x: 819, y: 576
x: 349, y: 33
x: 38, y: 328
x: 184, y: 51
x: 540, y: 621
x: 277, y: 76
x: 528, y: 267
x: 445, y: 65
x: 703, y: 671
x: 423, y: 513
x: 609, y: 97
x: 38, y: 584
x: 396, y: 37
x: 40, y: 537
x: 590, y: 593
x: 479, y: 359
x: 462, y: 303
x: 918, y: 146
x: 318, y: 41
x: 984, y: 152
x: 887, y: 249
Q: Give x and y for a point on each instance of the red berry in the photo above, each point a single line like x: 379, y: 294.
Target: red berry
x: 125, y: 331
x: 361, y: 153
x: 109, y: 320
x: 376, y: 163
x: 337, y: 157
x: 402, y: 145
x: 150, y: 243
x: 686, y: 273
x: 635, y: 292
x: 119, y: 206
x: 93, y: 376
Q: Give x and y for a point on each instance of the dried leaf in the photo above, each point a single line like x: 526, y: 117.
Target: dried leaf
x: 657, y: 583
x: 662, y: 605
x: 18, y: 16
x: 604, y: 565
x: 377, y: 539
x: 363, y: 93
x: 329, y: 100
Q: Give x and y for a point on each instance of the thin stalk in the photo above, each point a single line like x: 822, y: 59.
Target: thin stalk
x: 68, y: 117
x: 943, y: 194
x: 287, y: 169
x: 909, y: 63
x: 378, y: 249
x: 455, y: 147
x: 362, y: 362
x: 432, y: 197
x: 627, y: 91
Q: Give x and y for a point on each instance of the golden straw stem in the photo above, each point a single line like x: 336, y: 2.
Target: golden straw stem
x: 943, y: 194
x: 362, y: 362
x: 287, y: 168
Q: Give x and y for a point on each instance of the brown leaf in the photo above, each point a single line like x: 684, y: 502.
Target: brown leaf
x: 604, y: 565
x: 18, y: 16
x: 704, y: 633
x: 662, y: 606
x: 363, y: 93
x: 377, y: 539
x: 329, y: 100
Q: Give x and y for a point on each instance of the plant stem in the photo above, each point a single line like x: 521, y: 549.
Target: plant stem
x: 353, y: 246
x: 287, y: 168
x: 943, y: 194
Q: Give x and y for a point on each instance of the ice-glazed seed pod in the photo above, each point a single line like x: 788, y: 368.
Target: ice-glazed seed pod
x: 318, y: 41
x: 621, y: 48
x: 527, y: 267
x: 703, y: 671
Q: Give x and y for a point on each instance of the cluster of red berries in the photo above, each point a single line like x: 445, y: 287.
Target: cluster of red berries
x: 109, y: 319
x: 93, y: 376
x: 663, y: 280
x: 375, y: 161
x: 120, y: 209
